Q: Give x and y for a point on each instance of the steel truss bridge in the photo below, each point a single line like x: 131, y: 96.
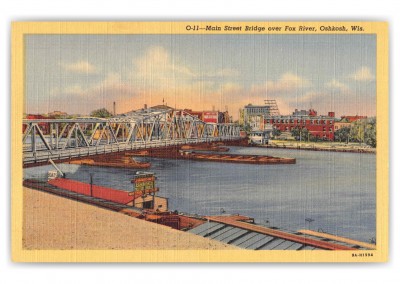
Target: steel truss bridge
x: 57, y: 139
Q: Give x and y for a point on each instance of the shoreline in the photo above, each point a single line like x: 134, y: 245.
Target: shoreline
x: 316, y: 147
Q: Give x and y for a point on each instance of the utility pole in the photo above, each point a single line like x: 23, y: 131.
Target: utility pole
x: 91, y: 184
x: 300, y: 132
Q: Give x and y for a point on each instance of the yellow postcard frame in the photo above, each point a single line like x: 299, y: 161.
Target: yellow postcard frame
x: 19, y: 29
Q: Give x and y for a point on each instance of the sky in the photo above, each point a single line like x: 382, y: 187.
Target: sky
x: 80, y: 73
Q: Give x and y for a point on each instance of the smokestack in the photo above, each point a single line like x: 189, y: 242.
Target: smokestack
x: 145, y: 106
x: 114, y: 108
x: 213, y: 108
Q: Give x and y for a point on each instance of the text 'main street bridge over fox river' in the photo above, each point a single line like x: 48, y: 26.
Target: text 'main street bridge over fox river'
x: 58, y: 139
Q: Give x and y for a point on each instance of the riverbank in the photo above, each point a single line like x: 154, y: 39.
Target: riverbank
x: 320, y: 146
x: 52, y: 222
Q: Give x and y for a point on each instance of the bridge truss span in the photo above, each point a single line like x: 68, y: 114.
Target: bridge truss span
x: 59, y: 139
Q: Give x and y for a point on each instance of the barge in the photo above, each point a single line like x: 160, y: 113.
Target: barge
x: 181, y: 153
x: 118, y: 162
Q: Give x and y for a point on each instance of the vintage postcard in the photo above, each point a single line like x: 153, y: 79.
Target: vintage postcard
x: 200, y: 141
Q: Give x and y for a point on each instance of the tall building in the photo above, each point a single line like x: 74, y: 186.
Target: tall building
x: 254, y: 116
x: 256, y: 110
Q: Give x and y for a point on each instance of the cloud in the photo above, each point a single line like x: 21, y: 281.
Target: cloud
x: 288, y: 82
x: 363, y: 74
x: 158, y: 66
x: 288, y: 90
x: 227, y: 72
x: 311, y: 96
x: 292, y: 80
x: 97, y: 95
x: 112, y: 87
x: 80, y: 67
x: 337, y: 85
x: 158, y: 69
x: 74, y: 90
x: 158, y: 76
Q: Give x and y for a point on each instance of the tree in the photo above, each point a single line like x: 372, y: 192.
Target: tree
x: 102, y: 112
x: 370, y: 132
x: 300, y: 133
x: 276, y: 132
x: 364, y: 131
x: 357, y: 130
x: 305, y: 134
x: 296, y: 133
x: 343, y: 134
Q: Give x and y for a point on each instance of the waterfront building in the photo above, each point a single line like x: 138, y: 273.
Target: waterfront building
x: 253, y: 115
x: 346, y: 121
x: 352, y: 118
x: 319, y: 126
x: 211, y: 116
x: 197, y: 114
x: 260, y: 136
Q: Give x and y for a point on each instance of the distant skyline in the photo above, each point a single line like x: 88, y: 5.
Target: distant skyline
x: 80, y: 73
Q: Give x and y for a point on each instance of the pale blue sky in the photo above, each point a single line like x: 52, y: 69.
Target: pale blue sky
x: 79, y: 73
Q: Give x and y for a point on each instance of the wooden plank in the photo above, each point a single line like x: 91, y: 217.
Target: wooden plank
x: 339, y: 239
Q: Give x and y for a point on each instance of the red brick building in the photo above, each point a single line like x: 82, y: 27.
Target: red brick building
x: 352, y: 118
x: 212, y: 116
x: 319, y: 126
x: 198, y: 114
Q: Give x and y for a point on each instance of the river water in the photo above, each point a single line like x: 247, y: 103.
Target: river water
x: 336, y: 190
